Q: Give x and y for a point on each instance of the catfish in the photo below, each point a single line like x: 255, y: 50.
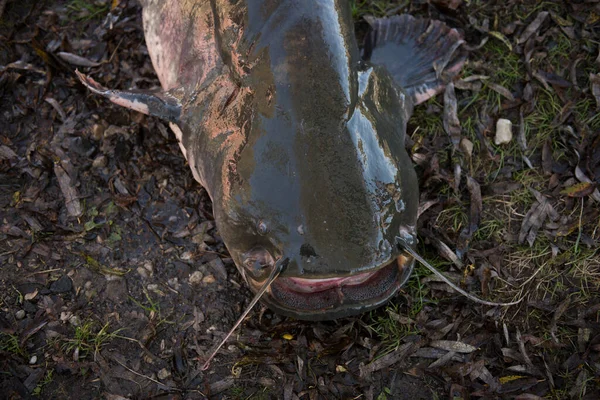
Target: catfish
x: 298, y: 137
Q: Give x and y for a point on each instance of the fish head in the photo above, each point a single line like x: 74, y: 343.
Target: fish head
x: 329, y: 196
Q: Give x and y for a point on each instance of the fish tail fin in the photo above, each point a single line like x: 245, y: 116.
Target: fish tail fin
x: 422, y: 55
x: 157, y: 103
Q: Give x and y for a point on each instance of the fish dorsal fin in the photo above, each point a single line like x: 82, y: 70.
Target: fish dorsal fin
x: 422, y: 55
x: 164, y: 105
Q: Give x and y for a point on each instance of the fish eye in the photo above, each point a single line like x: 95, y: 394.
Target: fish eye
x: 262, y: 228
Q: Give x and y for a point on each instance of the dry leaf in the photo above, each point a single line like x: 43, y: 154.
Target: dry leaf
x: 453, y: 346
x: 595, y: 83
x: 501, y: 90
x: 502, y: 38
x: 32, y: 295
x: 533, y: 27
x: 79, y: 61
x: 581, y: 189
x: 6, y: 153
x: 69, y: 191
x: 451, y: 122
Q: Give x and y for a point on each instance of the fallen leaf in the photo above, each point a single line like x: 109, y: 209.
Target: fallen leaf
x: 509, y: 378
x: 451, y: 122
x: 32, y: 295
x: 74, y: 59
x: 453, y: 346
x: 6, y: 153
x: 502, y: 38
x: 57, y: 107
x: 68, y: 190
x: 533, y: 27
x: 535, y: 218
x: 501, y: 90
x: 474, y: 217
x: 595, y: 83
x: 581, y: 189
x: 388, y: 360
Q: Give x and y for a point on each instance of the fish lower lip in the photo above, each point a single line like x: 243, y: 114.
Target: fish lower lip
x: 304, y: 285
x: 329, y: 298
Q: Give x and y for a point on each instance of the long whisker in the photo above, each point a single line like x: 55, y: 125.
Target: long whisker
x: 277, y: 269
x: 405, y: 247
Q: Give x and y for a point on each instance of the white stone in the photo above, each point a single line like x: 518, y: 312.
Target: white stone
x: 467, y: 146
x: 196, y: 278
x: 503, y: 131
x: 163, y: 374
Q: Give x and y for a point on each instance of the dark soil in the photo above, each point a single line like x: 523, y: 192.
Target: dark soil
x: 115, y: 283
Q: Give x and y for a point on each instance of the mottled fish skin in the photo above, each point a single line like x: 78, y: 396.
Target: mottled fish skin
x: 298, y: 142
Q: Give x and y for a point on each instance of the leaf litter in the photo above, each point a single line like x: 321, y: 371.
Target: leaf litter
x: 126, y: 210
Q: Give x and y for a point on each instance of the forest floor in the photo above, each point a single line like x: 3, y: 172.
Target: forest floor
x: 115, y: 283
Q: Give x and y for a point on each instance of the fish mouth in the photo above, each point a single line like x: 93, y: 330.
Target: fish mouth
x: 331, y: 298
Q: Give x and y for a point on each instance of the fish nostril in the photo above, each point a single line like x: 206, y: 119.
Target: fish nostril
x: 258, y: 263
x: 306, y: 250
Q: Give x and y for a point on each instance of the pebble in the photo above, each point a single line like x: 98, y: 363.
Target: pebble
x: 75, y: 320
x: 20, y: 314
x: 467, y: 146
x: 196, y: 278
x: 149, y: 266
x: 62, y: 285
x: 174, y: 283
x: 163, y: 374
x: 33, y: 360
x: 153, y: 287
x: 503, y: 131
x: 97, y: 132
x: 143, y: 272
x: 99, y: 162
x: 208, y: 279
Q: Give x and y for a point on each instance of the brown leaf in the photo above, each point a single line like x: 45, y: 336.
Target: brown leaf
x: 554, y: 79
x: 6, y: 153
x: 387, y: 360
x: 547, y: 159
x: 502, y: 38
x: 451, y: 122
x: 67, y: 187
x: 79, y: 61
x: 581, y: 189
x: 595, y: 83
x: 501, y: 90
x: 443, y: 360
x: 453, y: 346
x: 560, y: 310
x: 474, y: 217
x: 532, y: 27
x: 536, y: 217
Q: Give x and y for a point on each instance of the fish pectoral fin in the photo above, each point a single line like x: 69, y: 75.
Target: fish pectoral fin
x: 422, y: 55
x: 164, y: 105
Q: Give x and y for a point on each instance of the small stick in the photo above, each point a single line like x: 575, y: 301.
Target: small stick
x: 443, y: 277
x: 277, y: 269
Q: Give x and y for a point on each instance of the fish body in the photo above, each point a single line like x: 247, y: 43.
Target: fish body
x: 298, y: 138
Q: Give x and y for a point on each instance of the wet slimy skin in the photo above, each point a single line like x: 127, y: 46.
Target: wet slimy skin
x: 298, y: 141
